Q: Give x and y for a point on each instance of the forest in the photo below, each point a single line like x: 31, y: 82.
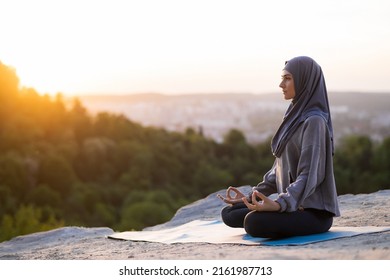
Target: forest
x: 62, y: 166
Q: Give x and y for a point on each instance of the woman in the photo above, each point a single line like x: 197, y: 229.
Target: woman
x: 302, y: 173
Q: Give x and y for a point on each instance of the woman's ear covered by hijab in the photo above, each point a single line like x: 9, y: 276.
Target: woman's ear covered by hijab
x: 311, y: 98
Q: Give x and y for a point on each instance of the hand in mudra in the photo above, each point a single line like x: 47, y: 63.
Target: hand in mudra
x: 264, y: 204
x: 233, y: 196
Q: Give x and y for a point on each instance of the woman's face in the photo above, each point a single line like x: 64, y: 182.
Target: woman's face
x: 287, y: 85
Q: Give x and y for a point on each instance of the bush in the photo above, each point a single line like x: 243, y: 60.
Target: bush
x: 27, y: 219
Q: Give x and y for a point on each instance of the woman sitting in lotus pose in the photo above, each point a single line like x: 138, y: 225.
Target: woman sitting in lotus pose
x: 302, y: 173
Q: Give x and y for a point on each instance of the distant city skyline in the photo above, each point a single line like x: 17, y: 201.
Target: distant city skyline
x: 257, y: 116
x: 181, y: 47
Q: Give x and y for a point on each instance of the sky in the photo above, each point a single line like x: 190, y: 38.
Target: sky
x: 81, y: 47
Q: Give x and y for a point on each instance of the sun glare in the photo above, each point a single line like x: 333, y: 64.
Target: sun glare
x: 78, y: 47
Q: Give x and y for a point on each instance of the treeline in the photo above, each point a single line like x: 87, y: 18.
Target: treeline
x: 61, y: 166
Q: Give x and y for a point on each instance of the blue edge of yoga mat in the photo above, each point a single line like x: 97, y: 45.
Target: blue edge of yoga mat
x: 313, y: 238
x: 242, y: 238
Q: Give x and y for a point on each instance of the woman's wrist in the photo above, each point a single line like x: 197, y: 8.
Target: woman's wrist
x: 278, y: 206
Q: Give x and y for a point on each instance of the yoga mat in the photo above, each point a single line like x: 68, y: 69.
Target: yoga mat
x: 217, y: 232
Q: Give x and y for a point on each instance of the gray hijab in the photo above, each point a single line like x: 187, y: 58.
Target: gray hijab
x: 311, y: 98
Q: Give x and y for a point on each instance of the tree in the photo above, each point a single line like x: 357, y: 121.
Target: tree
x: 27, y: 219
x: 13, y: 174
x: 209, y: 178
x: 353, y: 164
x: 381, y: 164
x: 142, y: 209
x: 9, y: 90
x: 57, y: 173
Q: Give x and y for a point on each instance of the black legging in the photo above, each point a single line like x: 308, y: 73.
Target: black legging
x: 275, y: 224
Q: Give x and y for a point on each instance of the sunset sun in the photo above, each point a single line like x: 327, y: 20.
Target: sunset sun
x: 81, y: 47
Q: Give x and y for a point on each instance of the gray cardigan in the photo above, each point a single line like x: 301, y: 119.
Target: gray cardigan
x: 303, y: 174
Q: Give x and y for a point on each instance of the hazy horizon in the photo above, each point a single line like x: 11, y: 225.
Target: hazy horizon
x: 185, y: 47
x: 275, y: 93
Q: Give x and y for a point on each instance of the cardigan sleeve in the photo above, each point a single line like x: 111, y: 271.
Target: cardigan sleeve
x: 268, y: 185
x: 311, y: 167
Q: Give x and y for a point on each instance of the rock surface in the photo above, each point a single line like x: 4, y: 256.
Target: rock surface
x: 72, y: 243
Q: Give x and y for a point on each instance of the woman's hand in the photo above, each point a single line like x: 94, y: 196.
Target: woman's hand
x: 233, y: 196
x: 265, y: 204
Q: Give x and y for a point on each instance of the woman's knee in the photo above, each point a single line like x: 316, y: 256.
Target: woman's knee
x: 258, y: 224
x: 252, y: 224
x: 233, y: 216
x: 226, y: 215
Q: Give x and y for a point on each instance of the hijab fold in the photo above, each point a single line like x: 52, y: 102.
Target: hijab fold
x: 311, y: 98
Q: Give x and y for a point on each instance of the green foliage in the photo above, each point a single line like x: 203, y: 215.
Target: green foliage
x: 56, y: 172
x: 13, y: 173
x: 62, y: 166
x: 43, y: 195
x: 141, y: 210
x: 361, y: 166
x: 27, y: 219
x: 209, y: 178
x: 141, y: 214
